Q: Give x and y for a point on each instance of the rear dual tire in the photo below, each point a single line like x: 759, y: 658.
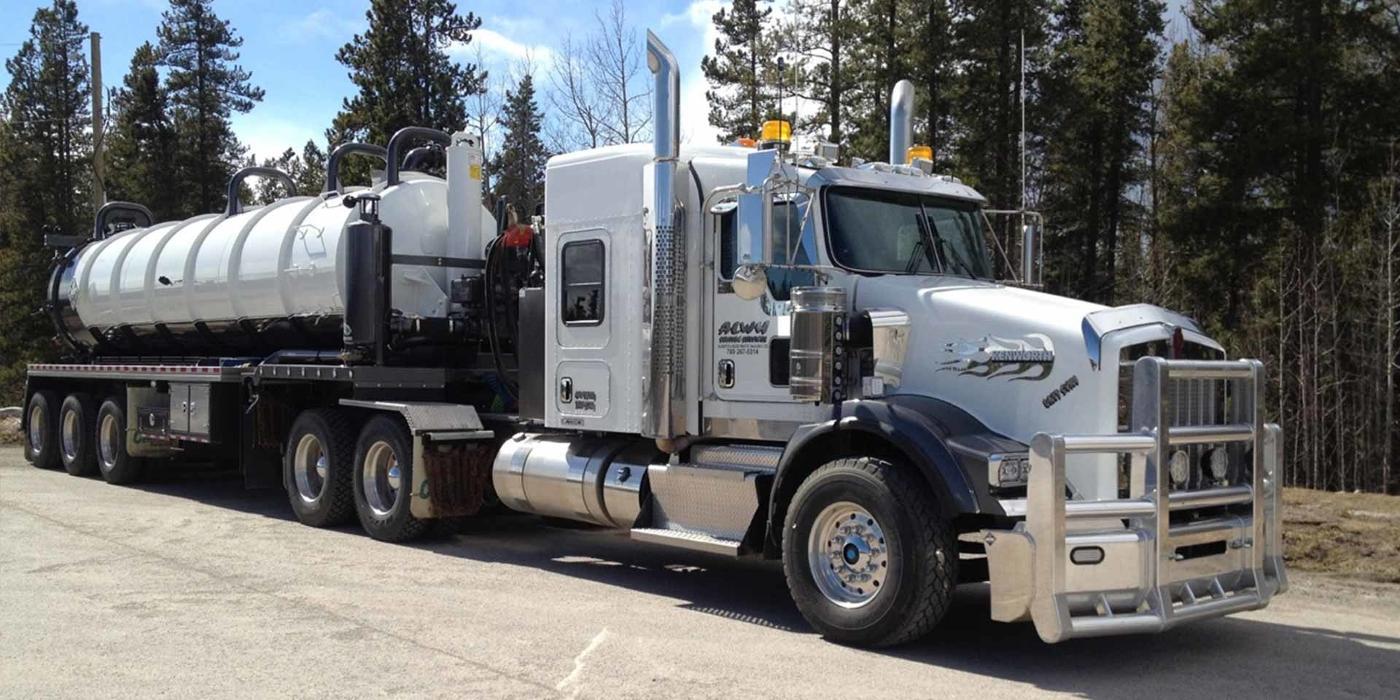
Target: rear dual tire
x: 333, y: 475
x: 317, y: 467
x: 384, y: 481
x: 113, y: 461
x: 77, y: 435
x: 41, y: 429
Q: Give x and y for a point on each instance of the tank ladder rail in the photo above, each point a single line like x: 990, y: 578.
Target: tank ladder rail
x: 1093, y: 577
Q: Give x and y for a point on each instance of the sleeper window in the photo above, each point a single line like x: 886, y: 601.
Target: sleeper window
x: 582, y: 272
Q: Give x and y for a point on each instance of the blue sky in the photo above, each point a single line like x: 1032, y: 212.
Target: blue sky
x: 290, y: 45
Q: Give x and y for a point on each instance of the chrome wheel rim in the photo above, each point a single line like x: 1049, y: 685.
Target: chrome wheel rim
x: 381, y: 477
x: 68, y: 435
x: 847, y: 554
x: 36, y: 428
x: 309, y: 467
x: 108, y: 441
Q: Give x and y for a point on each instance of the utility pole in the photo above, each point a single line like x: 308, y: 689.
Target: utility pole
x: 99, y: 191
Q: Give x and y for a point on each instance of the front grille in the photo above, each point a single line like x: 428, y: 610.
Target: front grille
x: 1191, y: 402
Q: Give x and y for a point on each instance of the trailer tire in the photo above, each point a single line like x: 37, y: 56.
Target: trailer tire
x: 869, y: 559
x: 113, y: 462
x: 41, y: 430
x: 383, y: 479
x: 77, y: 435
x: 317, y: 467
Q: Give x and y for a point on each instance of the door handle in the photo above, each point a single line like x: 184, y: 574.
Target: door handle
x: 726, y: 374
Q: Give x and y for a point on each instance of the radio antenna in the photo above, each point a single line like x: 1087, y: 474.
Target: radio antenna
x: 1023, y: 122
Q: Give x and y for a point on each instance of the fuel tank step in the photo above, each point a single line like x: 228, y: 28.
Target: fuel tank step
x: 686, y: 539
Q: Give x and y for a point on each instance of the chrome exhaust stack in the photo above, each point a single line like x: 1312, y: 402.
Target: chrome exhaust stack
x: 664, y: 315
x: 901, y: 121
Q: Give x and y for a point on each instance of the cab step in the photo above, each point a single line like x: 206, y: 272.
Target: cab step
x: 686, y: 539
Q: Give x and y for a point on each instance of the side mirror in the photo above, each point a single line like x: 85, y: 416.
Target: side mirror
x: 750, y: 281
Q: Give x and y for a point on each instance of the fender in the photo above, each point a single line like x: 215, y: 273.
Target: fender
x: 933, y: 435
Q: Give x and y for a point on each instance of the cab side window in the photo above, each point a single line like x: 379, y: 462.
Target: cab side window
x: 581, y: 270
x: 728, y: 228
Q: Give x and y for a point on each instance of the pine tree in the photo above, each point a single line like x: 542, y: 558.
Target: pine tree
x: 141, y: 145
x: 1277, y: 122
x: 742, y: 71
x: 822, y: 32
x: 987, y: 35
x: 307, y: 170
x: 518, y: 168
x: 206, y: 86
x: 934, y: 77
x: 403, y: 73
x: 880, y: 58
x: 1096, y: 95
x: 44, y: 157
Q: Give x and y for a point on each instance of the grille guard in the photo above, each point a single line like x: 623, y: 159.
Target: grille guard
x: 1143, y: 582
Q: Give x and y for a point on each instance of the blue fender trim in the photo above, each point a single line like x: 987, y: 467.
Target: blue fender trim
x: 920, y: 428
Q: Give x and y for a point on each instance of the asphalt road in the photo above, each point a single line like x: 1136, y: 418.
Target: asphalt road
x: 191, y: 586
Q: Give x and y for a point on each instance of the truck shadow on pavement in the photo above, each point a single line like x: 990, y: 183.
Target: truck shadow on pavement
x: 1232, y: 656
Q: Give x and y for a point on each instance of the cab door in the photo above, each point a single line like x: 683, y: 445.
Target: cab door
x: 748, y: 346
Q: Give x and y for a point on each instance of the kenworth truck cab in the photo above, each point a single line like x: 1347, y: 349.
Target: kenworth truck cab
x: 745, y: 351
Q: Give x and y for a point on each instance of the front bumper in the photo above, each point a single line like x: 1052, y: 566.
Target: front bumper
x: 1094, y: 568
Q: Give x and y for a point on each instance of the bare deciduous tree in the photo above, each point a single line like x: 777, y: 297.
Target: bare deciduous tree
x: 615, y: 54
x: 574, y: 97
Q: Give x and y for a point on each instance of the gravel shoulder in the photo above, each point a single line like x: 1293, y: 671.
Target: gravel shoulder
x: 192, y: 585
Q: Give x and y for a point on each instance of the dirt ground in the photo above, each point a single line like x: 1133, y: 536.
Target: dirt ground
x: 189, y: 585
x: 1353, y: 535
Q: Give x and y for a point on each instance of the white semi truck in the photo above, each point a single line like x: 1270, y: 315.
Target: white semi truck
x: 746, y: 351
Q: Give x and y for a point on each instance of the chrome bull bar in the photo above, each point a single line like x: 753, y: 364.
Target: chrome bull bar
x: 1093, y: 568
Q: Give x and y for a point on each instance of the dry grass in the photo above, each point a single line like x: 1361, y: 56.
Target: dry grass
x: 1356, y: 535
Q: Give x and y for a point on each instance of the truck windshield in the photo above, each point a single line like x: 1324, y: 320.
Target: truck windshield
x: 905, y: 233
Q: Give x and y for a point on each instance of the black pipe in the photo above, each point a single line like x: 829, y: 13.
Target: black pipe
x: 418, y: 157
x: 369, y: 246
x: 99, y: 223
x: 403, y: 136
x: 339, y: 154
x: 234, y: 206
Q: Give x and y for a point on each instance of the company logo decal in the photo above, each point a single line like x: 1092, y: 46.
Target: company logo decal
x: 1019, y: 359
x: 739, y: 338
x: 743, y: 328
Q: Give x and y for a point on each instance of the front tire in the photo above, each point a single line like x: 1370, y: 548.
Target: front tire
x: 384, y: 479
x: 77, y: 435
x: 317, y: 467
x: 115, y: 465
x: 869, y: 559
x: 41, y: 429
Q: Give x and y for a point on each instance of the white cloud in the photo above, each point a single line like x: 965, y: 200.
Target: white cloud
x: 499, y: 49
x: 268, y: 137
x: 695, y: 109
x: 322, y: 23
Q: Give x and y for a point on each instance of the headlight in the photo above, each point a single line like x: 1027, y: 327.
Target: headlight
x: 1008, y: 469
x: 1180, y: 468
x: 1218, y: 462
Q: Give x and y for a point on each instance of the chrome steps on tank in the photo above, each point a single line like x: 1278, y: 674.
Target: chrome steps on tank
x: 685, y: 539
x: 708, y: 504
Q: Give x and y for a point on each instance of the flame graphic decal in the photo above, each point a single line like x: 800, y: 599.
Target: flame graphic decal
x: 1019, y: 359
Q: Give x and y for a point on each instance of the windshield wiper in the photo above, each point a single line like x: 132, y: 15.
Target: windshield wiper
x: 924, y: 245
x: 946, y: 252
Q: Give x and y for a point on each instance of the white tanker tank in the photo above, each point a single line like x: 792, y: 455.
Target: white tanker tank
x: 255, y: 279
